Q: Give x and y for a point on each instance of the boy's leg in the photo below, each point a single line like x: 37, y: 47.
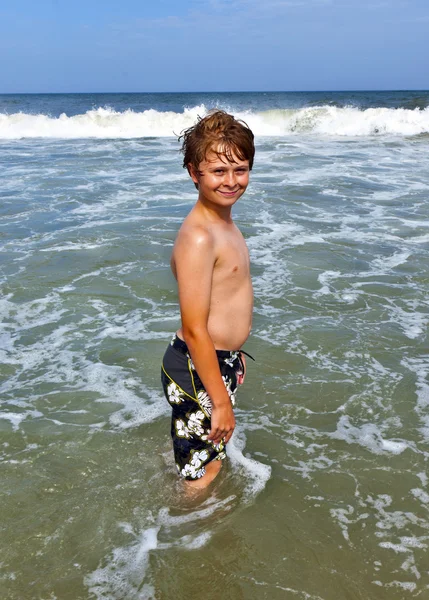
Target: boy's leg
x: 212, y: 469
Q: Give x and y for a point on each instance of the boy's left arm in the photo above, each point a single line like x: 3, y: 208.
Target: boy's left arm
x: 194, y: 260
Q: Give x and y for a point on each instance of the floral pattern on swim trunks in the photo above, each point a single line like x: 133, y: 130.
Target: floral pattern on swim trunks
x: 205, y: 402
x: 192, y: 409
x: 194, y: 468
x: 174, y: 394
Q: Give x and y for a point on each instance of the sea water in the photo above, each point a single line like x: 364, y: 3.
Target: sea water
x: 325, y: 495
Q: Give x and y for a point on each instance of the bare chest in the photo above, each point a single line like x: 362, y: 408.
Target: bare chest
x: 232, y: 263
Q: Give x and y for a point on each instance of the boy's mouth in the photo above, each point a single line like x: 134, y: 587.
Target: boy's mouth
x: 229, y: 194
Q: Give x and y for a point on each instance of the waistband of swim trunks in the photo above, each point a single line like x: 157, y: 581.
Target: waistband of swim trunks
x: 181, y: 346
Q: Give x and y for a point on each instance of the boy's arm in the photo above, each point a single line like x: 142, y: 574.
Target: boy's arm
x: 195, y: 258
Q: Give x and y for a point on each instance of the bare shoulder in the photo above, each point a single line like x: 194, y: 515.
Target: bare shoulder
x: 194, y: 237
x: 195, y: 234
x: 194, y: 242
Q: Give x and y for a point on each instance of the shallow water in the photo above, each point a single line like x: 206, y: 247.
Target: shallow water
x: 326, y: 491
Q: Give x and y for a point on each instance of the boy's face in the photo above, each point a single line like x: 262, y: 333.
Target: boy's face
x: 220, y: 181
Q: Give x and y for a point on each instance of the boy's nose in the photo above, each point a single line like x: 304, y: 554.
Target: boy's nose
x: 230, y: 178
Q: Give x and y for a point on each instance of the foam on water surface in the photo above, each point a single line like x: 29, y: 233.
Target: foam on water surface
x: 256, y: 473
x: 320, y: 120
x: 126, y: 571
x: 367, y: 435
x: 332, y: 421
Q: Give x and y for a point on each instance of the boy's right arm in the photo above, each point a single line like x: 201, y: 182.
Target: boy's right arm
x: 195, y: 259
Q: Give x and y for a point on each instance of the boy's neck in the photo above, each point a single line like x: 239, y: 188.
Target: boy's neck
x: 214, y: 212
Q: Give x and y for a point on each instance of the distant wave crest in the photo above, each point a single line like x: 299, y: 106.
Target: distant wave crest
x: 317, y: 120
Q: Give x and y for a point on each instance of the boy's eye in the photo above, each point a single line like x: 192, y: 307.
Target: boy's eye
x: 219, y: 171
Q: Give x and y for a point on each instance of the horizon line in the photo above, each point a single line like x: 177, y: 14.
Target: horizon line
x: 223, y: 92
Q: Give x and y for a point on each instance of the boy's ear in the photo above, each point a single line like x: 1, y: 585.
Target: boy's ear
x: 193, y: 174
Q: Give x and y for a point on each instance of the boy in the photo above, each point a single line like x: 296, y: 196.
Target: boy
x: 203, y: 364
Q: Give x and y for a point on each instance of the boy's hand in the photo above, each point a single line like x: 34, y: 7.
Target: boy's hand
x: 223, y: 424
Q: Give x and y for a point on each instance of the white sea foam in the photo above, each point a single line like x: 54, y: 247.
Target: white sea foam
x: 367, y: 435
x: 413, y: 323
x: 420, y: 495
x: 420, y: 367
x: 377, y: 514
x: 390, y: 522
x: 408, y: 586
x: 125, y: 570
x: 257, y: 474
x: 322, y: 120
x: 126, y: 573
x: 360, y: 241
x: 49, y: 360
x: 406, y: 544
x: 385, y: 263
x: 17, y: 418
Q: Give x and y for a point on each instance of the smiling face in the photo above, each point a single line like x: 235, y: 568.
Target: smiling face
x: 220, y: 181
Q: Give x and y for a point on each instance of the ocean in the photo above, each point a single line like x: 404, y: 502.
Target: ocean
x: 325, y: 495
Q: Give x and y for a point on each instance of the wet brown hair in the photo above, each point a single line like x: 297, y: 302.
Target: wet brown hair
x: 221, y: 133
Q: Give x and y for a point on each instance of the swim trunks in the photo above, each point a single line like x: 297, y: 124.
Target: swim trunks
x: 192, y: 407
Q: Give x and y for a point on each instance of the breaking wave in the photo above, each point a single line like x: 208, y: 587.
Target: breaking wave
x: 316, y: 120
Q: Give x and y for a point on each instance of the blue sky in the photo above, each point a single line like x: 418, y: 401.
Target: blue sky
x: 213, y: 45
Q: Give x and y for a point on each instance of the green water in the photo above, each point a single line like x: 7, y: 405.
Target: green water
x: 325, y: 495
